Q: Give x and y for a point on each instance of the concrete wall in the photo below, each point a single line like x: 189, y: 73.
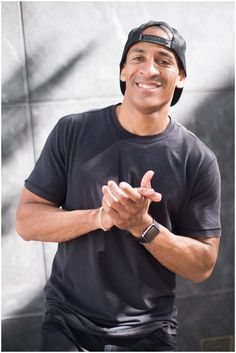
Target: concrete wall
x: 63, y: 57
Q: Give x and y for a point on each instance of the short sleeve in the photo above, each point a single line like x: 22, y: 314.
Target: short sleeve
x: 201, y: 214
x: 48, y: 178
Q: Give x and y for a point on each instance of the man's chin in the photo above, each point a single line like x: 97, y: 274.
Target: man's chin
x: 153, y: 104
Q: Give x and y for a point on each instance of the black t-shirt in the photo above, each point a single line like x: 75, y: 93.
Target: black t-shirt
x: 106, y: 282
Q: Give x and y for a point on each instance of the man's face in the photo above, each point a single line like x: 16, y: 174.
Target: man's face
x: 151, y: 73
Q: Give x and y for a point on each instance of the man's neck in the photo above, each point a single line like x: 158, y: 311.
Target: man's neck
x: 141, y: 122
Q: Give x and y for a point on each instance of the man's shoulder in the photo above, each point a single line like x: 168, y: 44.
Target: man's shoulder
x: 193, y: 144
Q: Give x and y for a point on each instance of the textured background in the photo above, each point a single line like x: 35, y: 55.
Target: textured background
x: 63, y: 57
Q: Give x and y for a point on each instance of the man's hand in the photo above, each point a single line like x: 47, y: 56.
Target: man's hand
x: 128, y: 206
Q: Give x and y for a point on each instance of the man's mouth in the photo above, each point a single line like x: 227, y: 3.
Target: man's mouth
x: 148, y: 86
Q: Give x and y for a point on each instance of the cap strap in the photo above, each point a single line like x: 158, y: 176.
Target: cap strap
x: 155, y: 40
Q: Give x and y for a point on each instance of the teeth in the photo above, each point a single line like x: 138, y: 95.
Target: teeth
x: 144, y: 86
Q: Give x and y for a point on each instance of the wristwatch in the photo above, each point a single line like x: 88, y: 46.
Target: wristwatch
x: 150, y: 233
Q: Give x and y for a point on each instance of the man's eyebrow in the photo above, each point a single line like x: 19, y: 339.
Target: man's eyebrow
x: 137, y: 50
x: 161, y: 52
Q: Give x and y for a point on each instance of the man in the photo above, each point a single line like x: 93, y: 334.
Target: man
x: 132, y: 198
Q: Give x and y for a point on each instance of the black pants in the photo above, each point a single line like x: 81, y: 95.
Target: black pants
x: 58, y: 336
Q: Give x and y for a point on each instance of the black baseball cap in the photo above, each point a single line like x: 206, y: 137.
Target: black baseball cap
x: 176, y: 43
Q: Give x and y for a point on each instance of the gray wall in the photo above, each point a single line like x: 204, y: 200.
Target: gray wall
x: 63, y: 57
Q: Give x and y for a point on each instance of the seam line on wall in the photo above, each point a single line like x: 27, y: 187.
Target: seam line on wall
x: 28, y: 106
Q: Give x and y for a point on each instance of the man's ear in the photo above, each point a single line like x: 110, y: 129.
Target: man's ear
x: 181, y: 79
x: 122, y: 74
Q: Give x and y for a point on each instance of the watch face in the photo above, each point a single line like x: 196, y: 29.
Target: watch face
x: 150, y: 234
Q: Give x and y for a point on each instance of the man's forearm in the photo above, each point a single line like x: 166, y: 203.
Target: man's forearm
x: 190, y: 258
x: 48, y: 223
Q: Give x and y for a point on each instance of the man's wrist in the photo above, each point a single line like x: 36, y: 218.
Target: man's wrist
x: 137, y: 231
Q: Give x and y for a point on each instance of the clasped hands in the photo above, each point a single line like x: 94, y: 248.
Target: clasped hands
x: 127, y: 207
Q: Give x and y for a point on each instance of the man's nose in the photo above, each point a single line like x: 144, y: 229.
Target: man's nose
x: 150, y: 68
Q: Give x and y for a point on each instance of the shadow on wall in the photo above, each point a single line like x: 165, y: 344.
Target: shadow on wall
x: 213, y: 122
x: 15, y: 133
x: 21, y: 333
x: 206, y: 312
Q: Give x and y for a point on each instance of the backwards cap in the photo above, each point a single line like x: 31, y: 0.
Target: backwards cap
x: 176, y: 44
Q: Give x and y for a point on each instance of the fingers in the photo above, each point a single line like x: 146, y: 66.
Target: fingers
x: 146, y: 179
x: 146, y: 190
x: 127, y: 206
x: 107, y: 208
x: 150, y: 194
x: 121, y: 196
x: 119, y: 199
x: 124, y: 204
x: 131, y: 192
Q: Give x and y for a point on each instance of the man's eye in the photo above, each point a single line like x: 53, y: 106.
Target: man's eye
x: 164, y: 62
x: 137, y: 59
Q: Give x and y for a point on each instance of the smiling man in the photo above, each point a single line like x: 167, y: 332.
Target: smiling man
x: 133, y: 198
x: 151, y: 72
